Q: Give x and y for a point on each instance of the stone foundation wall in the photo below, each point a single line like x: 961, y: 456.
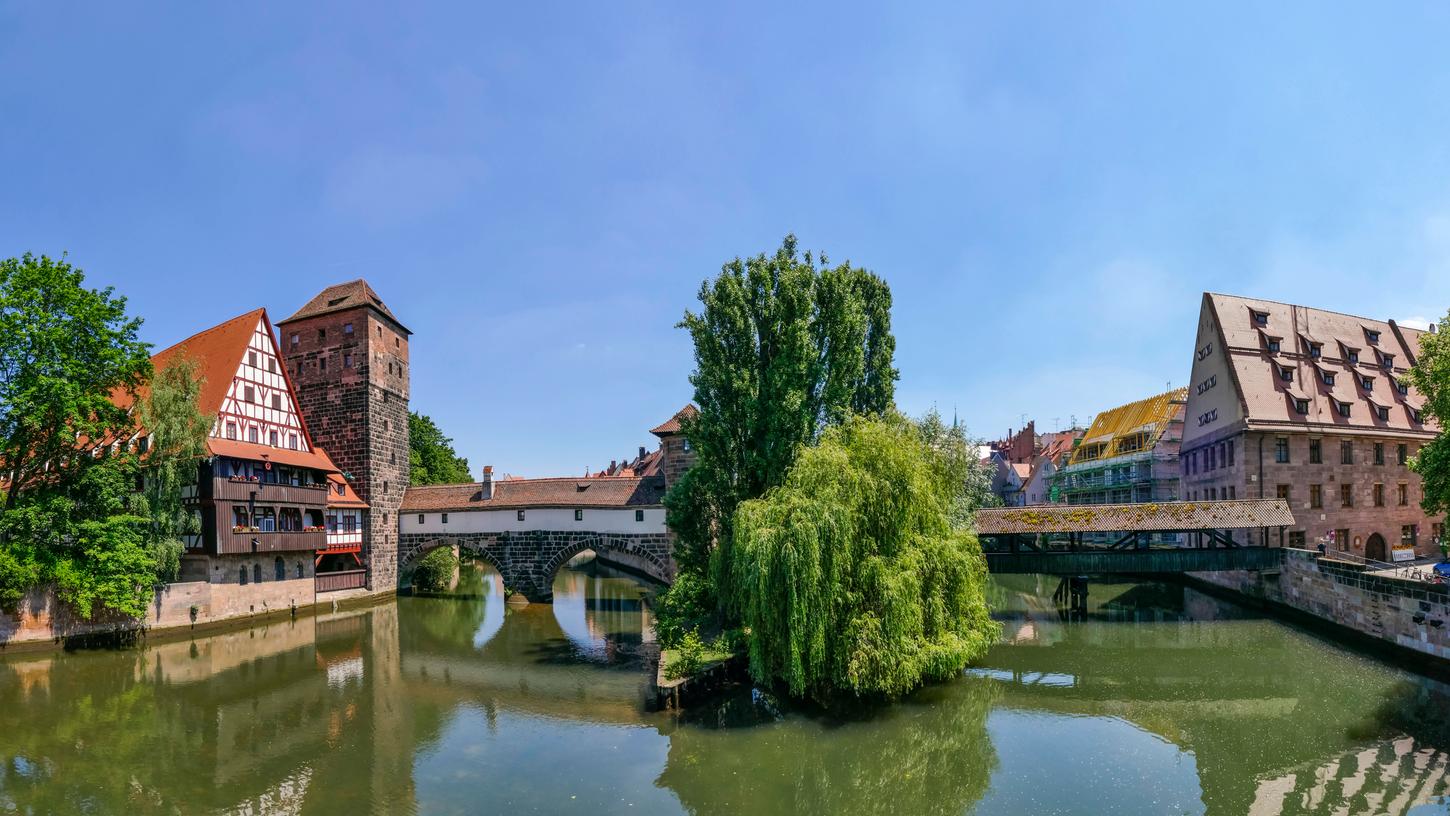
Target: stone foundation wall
x: 1392, y: 611
x: 528, y: 560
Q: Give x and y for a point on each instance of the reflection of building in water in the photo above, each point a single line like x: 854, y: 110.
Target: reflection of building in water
x: 1390, y: 777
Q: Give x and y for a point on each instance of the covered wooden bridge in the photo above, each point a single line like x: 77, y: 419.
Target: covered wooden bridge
x: 1051, y: 539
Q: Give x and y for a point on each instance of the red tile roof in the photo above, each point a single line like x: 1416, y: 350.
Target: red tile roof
x: 672, y: 425
x: 341, y: 297
x: 602, y: 491
x: 347, y: 498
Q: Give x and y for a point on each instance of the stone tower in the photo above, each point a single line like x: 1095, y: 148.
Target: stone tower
x: 348, y: 358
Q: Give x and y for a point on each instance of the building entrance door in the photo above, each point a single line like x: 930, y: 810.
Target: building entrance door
x: 1375, y: 549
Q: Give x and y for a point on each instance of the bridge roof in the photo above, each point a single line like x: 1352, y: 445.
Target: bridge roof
x: 1146, y: 517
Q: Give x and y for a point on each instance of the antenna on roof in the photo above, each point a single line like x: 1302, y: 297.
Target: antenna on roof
x: 1056, y: 424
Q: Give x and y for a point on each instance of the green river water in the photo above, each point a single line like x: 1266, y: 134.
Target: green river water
x: 1160, y: 700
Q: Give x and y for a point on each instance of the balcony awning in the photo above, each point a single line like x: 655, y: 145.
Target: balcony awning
x: 266, y: 453
x: 340, y: 549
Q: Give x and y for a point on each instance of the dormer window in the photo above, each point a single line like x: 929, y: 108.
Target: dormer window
x: 1402, y: 387
x: 1344, y: 408
x: 1316, y: 350
x: 1260, y: 318
x: 1383, y: 412
x: 1286, y: 373
x: 1387, y: 361
x: 1274, y: 345
x: 1301, y: 405
x: 1327, y: 377
x: 1415, y: 416
x: 1352, y: 355
x: 1371, y: 336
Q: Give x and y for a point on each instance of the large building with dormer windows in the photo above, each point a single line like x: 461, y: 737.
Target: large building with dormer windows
x: 1313, y: 407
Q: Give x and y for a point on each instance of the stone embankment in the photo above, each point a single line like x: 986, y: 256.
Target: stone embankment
x: 1405, y: 618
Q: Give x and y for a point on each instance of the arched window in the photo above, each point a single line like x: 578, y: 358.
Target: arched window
x: 257, y: 573
x: 281, y: 568
x: 243, y: 580
x: 300, y: 573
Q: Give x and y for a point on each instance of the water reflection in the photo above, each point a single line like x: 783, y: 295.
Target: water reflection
x: 1155, y: 699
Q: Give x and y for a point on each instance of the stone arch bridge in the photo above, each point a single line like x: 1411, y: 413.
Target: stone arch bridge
x: 527, y: 560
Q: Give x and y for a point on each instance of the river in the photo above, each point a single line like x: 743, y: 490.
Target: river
x: 1157, y: 700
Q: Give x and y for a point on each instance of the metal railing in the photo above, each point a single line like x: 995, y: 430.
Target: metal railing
x: 1424, y: 573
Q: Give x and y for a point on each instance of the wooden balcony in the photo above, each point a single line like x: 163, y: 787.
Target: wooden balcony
x: 223, y: 489
x: 347, y: 579
x: 231, y: 541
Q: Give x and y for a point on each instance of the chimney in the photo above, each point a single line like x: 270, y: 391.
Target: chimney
x: 641, y: 451
x: 487, y: 486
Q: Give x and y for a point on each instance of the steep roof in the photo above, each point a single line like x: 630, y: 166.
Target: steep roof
x: 341, y: 297
x: 596, y: 492
x: 672, y: 425
x: 1152, y: 416
x: 1269, y: 400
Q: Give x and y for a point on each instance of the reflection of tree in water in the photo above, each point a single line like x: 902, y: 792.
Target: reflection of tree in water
x: 930, y: 754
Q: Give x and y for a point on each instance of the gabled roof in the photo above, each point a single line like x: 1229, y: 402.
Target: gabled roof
x: 341, y: 297
x: 340, y: 493
x: 672, y: 425
x: 511, y: 494
x: 1148, y: 516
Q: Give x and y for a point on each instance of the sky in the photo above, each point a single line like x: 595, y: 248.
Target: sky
x: 538, y: 189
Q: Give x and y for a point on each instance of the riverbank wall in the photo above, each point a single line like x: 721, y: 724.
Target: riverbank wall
x: 1405, y: 620
x: 41, y: 621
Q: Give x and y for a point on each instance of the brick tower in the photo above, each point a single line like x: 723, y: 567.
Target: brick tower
x: 348, y: 357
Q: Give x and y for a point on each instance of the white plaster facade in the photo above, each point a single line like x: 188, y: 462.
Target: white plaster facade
x: 553, y: 519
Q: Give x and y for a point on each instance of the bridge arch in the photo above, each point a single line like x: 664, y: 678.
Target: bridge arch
x: 614, y: 548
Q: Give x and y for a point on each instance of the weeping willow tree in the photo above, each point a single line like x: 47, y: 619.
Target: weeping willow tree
x: 177, y: 429
x: 859, y: 575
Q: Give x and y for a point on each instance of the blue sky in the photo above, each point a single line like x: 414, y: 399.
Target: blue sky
x: 538, y: 189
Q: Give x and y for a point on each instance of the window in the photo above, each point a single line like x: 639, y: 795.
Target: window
x: 301, y: 573
x: 385, y: 488
x: 239, y: 517
x: 1230, y: 453
x: 1402, y: 387
x: 1274, y: 345
x: 322, y: 334
x: 276, y: 402
x: 1261, y: 318
x: 1296, y: 539
x: 1281, y: 450
x: 347, y: 359
x: 578, y: 515
x: 1415, y: 415
x: 443, y: 517
x: 1346, y: 495
x: 242, y: 579
x: 1327, y: 377
x: 1383, y: 413
x: 1341, y: 539
x: 1286, y: 373
x: 272, y: 438
x: 250, y: 393
x: 321, y: 363
x: 257, y: 573
x: 521, y: 515
x: 252, y: 433
x: 1316, y: 496
x: 1402, y: 491
x: 397, y: 343
x: 1344, y: 408
x: 1212, y: 458
x: 1372, y: 336
x: 143, y: 444
x: 231, y: 430
x: 252, y: 359
x: 1437, y: 531
x: 1301, y: 405
x: 1316, y: 452
x: 1233, y: 492
x: 1367, y: 383
x: 1387, y: 361
x: 1346, y: 452
x: 280, y: 568
x: 1213, y: 494
x: 1353, y: 357
x: 265, y: 520
x: 292, y: 441
x: 420, y: 518
x: 685, y: 445
x: 1379, y: 453
x: 1283, y: 492
x: 1316, y: 350
x: 639, y: 515
x: 347, y: 328
x: 299, y: 368
x: 294, y: 340
x: 1409, y: 535
x: 272, y: 364
x: 1379, y: 495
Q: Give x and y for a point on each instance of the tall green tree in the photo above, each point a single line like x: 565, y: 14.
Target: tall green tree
x: 1431, y: 376
x: 175, y: 431
x: 858, y: 576
x: 71, y: 516
x: 431, y: 457
x: 785, y: 345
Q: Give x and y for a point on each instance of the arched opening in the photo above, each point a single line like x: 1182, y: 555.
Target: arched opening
x: 279, y: 567
x: 242, y: 577
x: 257, y: 573
x: 1375, y: 549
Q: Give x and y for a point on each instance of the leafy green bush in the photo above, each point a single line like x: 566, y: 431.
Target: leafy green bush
x: 687, y: 606
x: 859, y: 575
x: 689, y: 657
x: 434, y: 572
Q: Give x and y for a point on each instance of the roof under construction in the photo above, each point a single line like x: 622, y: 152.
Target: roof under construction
x: 1147, y: 517
x: 1130, y: 428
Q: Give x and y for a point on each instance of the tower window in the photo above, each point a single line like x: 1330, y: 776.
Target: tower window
x: 295, y: 340
x: 347, y: 328
x: 347, y: 360
x: 321, y: 363
x: 322, y: 334
x: 397, y: 342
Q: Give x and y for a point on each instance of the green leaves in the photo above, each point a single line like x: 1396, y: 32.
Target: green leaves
x: 785, y: 345
x: 1431, y: 377
x: 857, y: 575
x: 431, y: 457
